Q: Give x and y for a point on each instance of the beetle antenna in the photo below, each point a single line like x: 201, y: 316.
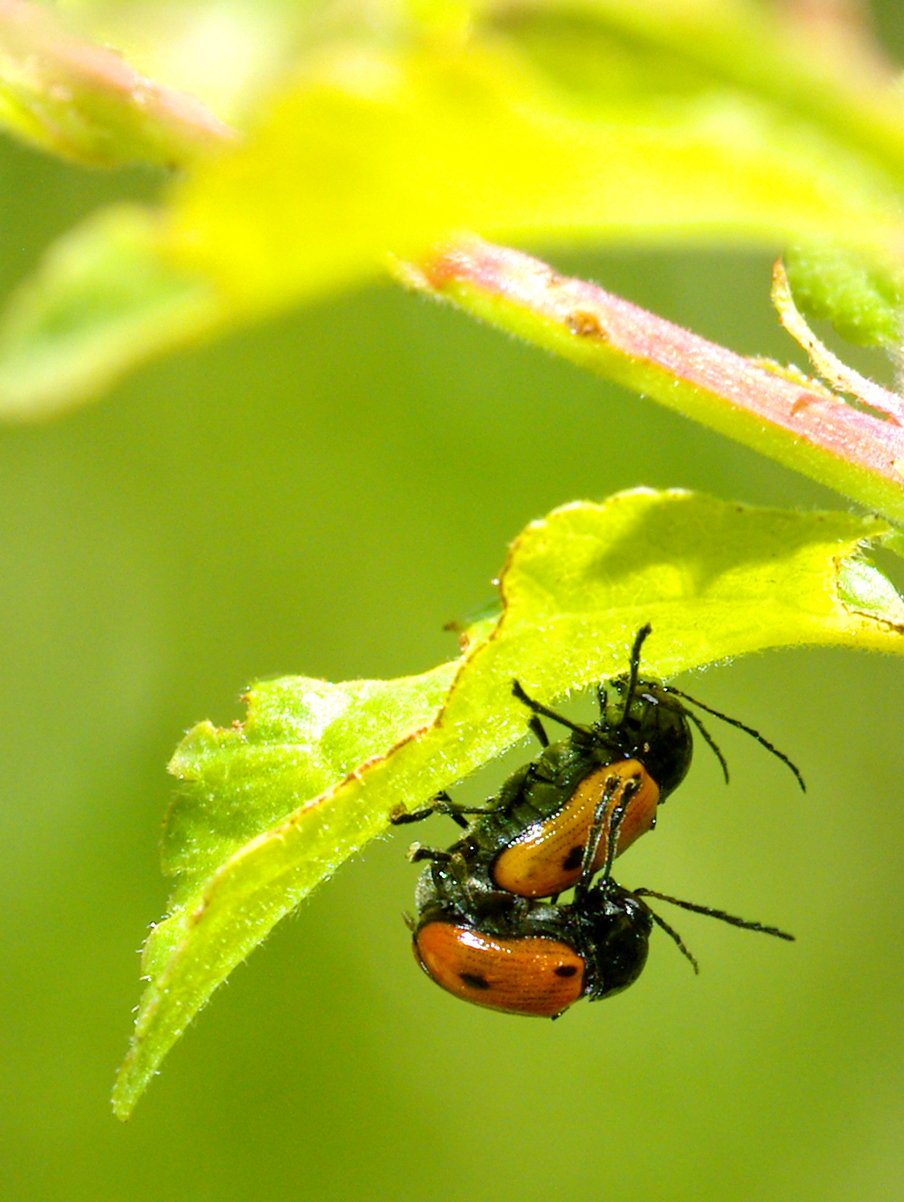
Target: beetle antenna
x: 536, y: 727
x: 598, y: 826
x: 634, y: 666
x: 670, y: 931
x: 720, y: 914
x: 755, y: 734
x: 631, y: 786
x: 710, y: 740
x: 595, y: 835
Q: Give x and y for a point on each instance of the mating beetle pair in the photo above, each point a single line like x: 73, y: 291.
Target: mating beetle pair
x: 482, y: 931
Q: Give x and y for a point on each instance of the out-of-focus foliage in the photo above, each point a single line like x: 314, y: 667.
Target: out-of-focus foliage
x: 99, y: 298
x: 84, y: 102
x: 378, y: 127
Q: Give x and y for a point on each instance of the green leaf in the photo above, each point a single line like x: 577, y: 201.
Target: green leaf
x: 862, y: 588
x: 104, y: 297
x: 268, y: 808
x: 862, y: 301
x: 300, y: 737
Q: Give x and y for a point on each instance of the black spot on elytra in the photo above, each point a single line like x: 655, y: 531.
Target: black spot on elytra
x: 565, y: 970
x: 475, y: 981
x: 574, y: 858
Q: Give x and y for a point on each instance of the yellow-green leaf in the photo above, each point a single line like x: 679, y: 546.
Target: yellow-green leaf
x: 268, y: 808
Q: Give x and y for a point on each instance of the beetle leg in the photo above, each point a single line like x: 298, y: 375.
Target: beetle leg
x: 418, y: 852
x: 441, y: 804
x: 543, y: 710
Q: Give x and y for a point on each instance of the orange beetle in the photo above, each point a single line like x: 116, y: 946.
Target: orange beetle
x: 522, y: 956
x: 531, y: 838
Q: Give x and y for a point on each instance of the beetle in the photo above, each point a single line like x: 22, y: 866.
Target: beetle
x: 530, y: 839
x: 522, y: 956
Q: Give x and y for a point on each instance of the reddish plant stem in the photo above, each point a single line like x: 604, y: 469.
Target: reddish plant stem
x: 795, y: 420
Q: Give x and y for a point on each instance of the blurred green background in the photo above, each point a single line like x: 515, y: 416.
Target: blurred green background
x: 321, y: 495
